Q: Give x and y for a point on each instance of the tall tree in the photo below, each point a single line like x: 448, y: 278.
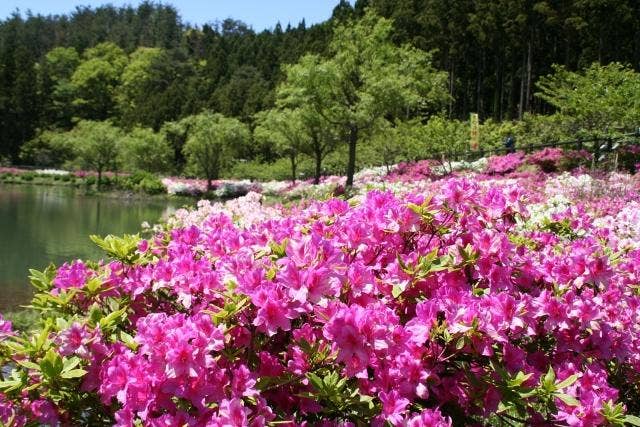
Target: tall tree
x: 596, y: 99
x: 95, y: 81
x: 57, y: 92
x: 366, y: 79
x: 211, y: 143
x: 285, y: 131
x: 95, y: 145
x: 144, y: 150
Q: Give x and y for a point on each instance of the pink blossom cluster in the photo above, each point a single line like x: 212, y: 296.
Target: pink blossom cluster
x: 501, y: 165
x: 108, y: 174
x: 472, y: 302
x: 547, y: 160
x: 12, y: 171
x: 405, y: 171
x: 556, y: 159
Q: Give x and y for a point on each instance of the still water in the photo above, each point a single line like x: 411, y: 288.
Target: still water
x: 40, y: 224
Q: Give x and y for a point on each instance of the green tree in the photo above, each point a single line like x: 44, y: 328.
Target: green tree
x: 246, y: 93
x: 366, y: 79
x: 55, y: 72
x: 49, y: 149
x: 284, y: 130
x: 211, y: 142
x: 153, y: 87
x: 95, y: 145
x: 598, y: 98
x: 95, y: 81
x: 142, y: 149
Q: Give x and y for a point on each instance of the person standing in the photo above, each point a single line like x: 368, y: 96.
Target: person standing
x: 510, y: 143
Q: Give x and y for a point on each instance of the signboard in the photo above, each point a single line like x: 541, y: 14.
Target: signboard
x: 475, y: 132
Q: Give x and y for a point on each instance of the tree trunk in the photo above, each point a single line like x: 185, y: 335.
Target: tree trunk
x: 99, y: 179
x: 451, y: 80
x: 351, y: 164
x: 529, y: 66
x: 522, y: 84
x: 294, y: 167
x: 209, y: 184
x: 318, y: 158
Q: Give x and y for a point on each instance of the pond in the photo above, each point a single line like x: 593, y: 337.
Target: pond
x: 40, y: 224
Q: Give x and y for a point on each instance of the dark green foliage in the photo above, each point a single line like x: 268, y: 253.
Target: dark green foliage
x: 141, y: 66
x: 143, y: 182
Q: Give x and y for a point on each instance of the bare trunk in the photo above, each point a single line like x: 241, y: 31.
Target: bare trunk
x: 451, y: 80
x: 529, y: 67
x: 522, y: 85
x: 318, y: 158
x: 351, y: 163
x: 294, y: 167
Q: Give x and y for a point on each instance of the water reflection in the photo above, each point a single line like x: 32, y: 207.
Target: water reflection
x: 39, y: 225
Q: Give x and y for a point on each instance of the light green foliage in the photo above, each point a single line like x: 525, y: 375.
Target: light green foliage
x: 95, y: 80
x: 440, y: 135
x: 120, y: 248
x: 596, y: 99
x: 493, y: 134
x: 284, y: 130
x: 61, y: 62
x: 143, y: 149
x: 152, y: 88
x: 366, y: 79
x: 211, y: 142
x: 95, y: 145
x: 415, y: 140
x: 135, y: 82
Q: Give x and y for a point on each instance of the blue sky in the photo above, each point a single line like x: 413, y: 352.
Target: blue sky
x: 260, y: 14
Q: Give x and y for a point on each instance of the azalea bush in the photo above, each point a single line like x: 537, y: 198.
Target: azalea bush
x: 505, y: 163
x: 456, y: 302
x: 548, y: 160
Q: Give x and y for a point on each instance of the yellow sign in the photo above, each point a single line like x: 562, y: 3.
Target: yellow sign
x: 475, y: 132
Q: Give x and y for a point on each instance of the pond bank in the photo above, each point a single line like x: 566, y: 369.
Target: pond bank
x: 42, y: 224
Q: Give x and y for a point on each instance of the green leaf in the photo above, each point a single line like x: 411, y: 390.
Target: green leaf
x: 548, y: 381
x: 397, y: 290
x: 74, y: 373
x: 519, y: 379
x: 567, y: 381
x: 121, y: 248
x: 93, y: 285
x: 110, y: 320
x: 569, y: 400
x: 10, y: 385
x: 70, y: 363
x: 632, y: 419
x: 315, y: 381
x: 42, y: 280
x: 51, y: 364
x: 128, y: 340
x: 29, y: 365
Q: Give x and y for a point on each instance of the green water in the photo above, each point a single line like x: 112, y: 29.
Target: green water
x: 40, y: 224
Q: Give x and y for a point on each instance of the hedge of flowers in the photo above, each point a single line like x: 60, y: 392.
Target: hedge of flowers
x: 547, y: 160
x: 461, y: 302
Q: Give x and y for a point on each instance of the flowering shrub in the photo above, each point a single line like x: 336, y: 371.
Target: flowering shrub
x: 412, y: 170
x: 499, y: 165
x: 556, y: 159
x: 447, y: 304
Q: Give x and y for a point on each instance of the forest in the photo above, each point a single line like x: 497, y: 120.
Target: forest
x: 141, y: 74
